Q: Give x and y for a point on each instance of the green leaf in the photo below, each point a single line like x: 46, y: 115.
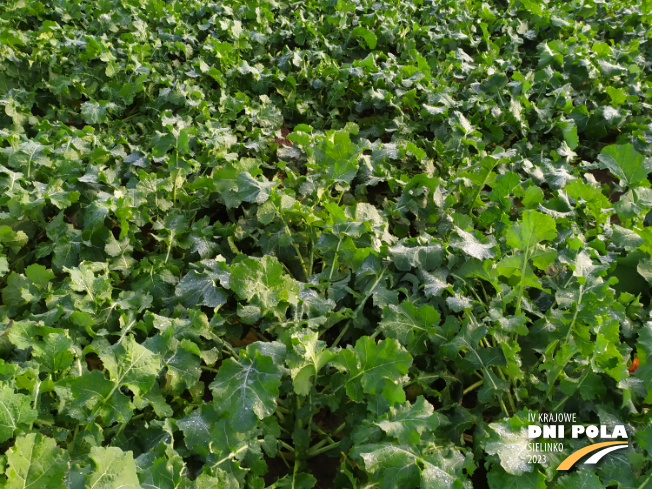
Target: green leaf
x: 83, y: 279
x: 499, y: 479
x: 510, y: 446
x: 16, y: 412
x: 375, y: 368
x: 472, y: 246
x: 369, y: 37
x: 412, y: 326
x: 95, y: 113
x: 394, y: 465
x: 533, y: 228
x: 570, y: 135
x: 427, y: 257
x: 199, y: 289
x: 130, y: 365
x: 17, y: 292
x: 35, y: 462
x: 406, y: 423
x: 263, y: 283
x: 308, y: 357
x: 644, y: 350
x: 134, y: 366
x: 338, y: 157
x: 580, y: 480
x: 39, y: 275
x: 54, y: 353
x: 626, y: 163
x: 246, y: 389
x: 404, y: 466
x: 252, y: 190
x: 167, y: 472
x: 114, y: 469
x: 533, y: 6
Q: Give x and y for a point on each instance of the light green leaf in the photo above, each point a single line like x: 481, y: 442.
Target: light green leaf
x: 405, y: 467
x: 53, y: 353
x: 114, y: 469
x: 426, y: 257
x: 338, y: 157
x: 199, y: 289
x: 626, y: 163
x: 246, y: 389
x: 15, y: 412
x: 580, y: 480
x: 39, y: 275
x: 499, y: 479
x: 309, y: 355
x: 35, y: 462
x: 83, y: 279
x: 375, y: 368
x: 408, y: 422
x: 472, y: 246
x: 264, y: 283
x: 410, y: 325
x: 533, y: 228
x: 369, y: 37
x: 131, y: 364
x: 511, y: 448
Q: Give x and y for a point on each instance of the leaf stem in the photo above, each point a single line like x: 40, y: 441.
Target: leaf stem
x: 312, y: 259
x: 563, y: 401
x: 359, y: 308
x: 317, y: 451
x: 74, y: 439
x: 229, y: 456
x: 642, y: 486
x: 169, y: 245
x: 521, y: 284
x: 298, y: 252
x: 566, y: 340
x: 35, y: 403
x: 480, y: 187
x: 577, y: 310
x: 330, y: 275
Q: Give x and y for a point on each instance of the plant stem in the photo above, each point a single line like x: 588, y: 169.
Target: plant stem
x: 472, y: 386
x: 312, y: 259
x: 480, y: 187
x: 316, y: 451
x: 642, y: 486
x: 35, y: 402
x: 298, y: 423
x: 286, y: 446
x: 169, y: 245
x: 74, y: 440
x: 502, y: 405
x: 577, y: 310
x: 298, y: 252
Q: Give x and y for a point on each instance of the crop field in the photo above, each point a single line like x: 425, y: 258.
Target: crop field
x: 352, y: 244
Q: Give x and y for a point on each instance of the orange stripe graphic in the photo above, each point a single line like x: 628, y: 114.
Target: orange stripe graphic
x: 575, y: 456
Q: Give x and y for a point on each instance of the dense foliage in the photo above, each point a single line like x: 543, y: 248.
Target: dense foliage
x: 331, y: 243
